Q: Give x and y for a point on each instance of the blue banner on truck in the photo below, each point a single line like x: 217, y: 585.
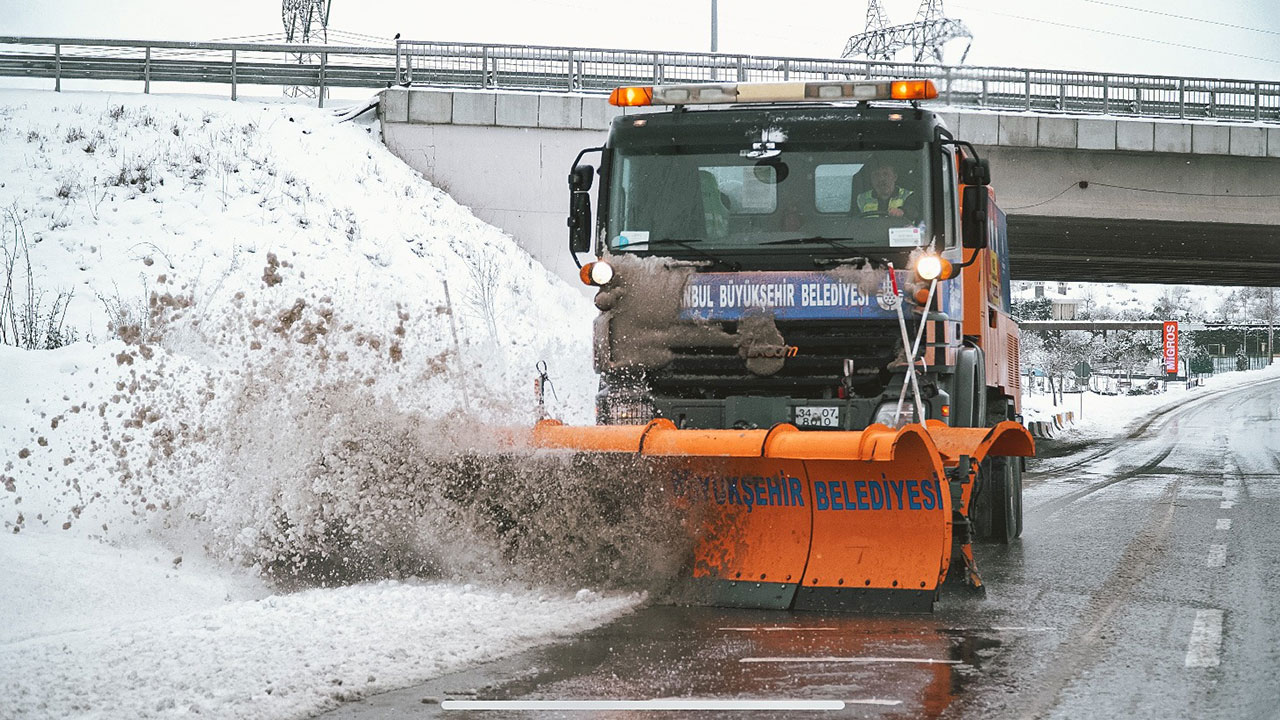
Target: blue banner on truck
x: 785, y: 295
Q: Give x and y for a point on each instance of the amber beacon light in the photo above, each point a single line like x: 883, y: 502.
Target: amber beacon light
x: 631, y: 96
x: 914, y: 90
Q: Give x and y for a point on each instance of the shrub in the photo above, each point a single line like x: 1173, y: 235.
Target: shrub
x: 26, y: 320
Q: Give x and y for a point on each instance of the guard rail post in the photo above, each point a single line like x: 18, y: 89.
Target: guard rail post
x: 324, y: 60
x: 146, y: 73
x: 233, y: 76
x: 57, y: 67
x: 1026, y: 85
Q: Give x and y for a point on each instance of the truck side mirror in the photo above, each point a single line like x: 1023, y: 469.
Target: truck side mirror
x: 974, y: 223
x: 975, y: 171
x: 580, y: 179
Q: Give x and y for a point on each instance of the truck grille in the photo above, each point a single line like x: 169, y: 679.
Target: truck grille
x: 814, y: 372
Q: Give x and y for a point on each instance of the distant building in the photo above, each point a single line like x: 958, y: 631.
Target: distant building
x: 1065, y: 308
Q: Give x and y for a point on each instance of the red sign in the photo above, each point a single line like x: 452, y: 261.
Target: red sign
x: 1171, y: 348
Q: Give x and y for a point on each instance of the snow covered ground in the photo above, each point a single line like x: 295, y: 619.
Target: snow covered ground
x: 250, y: 490
x: 229, y: 497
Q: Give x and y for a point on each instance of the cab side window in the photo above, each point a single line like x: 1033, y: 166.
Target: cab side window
x: 951, y: 220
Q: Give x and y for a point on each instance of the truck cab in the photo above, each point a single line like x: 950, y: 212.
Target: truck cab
x: 754, y: 242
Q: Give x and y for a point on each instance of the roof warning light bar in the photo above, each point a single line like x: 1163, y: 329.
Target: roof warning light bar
x: 818, y: 91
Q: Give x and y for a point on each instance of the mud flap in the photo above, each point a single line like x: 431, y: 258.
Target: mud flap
x: 818, y: 521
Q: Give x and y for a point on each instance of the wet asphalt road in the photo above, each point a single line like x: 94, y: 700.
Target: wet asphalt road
x: 1146, y: 585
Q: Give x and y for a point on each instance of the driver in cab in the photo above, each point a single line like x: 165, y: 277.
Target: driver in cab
x: 885, y: 198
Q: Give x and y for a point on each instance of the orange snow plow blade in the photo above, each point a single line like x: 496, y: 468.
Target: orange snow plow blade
x: 790, y: 519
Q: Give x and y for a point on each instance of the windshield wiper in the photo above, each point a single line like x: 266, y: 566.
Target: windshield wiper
x: 858, y: 261
x: 688, y: 245
x: 838, y: 243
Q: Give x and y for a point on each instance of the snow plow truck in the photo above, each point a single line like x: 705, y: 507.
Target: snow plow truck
x: 804, y: 330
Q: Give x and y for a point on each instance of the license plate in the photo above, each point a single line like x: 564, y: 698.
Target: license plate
x: 812, y: 416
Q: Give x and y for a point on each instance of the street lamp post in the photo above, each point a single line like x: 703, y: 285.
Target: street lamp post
x: 715, y: 27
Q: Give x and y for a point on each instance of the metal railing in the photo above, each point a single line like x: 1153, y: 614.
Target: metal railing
x: 598, y: 70
x: 230, y: 64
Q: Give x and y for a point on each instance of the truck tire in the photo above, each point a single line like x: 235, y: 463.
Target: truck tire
x: 969, y: 409
x: 1005, y: 498
x: 1017, y: 469
x: 969, y: 389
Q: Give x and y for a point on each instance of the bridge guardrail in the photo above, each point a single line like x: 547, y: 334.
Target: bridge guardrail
x: 598, y: 70
x: 591, y: 70
x: 234, y: 64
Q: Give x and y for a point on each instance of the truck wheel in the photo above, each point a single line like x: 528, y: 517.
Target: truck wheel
x: 1016, y: 464
x: 1005, y: 499
x: 969, y: 390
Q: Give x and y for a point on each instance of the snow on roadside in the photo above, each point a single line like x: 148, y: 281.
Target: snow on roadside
x: 297, y: 348
x: 1110, y: 416
x: 287, y: 655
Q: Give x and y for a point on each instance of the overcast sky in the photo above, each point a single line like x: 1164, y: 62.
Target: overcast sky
x: 1228, y: 38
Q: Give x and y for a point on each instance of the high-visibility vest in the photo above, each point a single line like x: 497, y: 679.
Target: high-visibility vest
x: 868, y: 202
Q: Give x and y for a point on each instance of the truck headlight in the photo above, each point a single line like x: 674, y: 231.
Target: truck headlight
x: 597, y: 273
x: 932, y: 267
x: 887, y: 414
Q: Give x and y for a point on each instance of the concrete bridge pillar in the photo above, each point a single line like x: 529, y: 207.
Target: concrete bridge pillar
x: 505, y: 155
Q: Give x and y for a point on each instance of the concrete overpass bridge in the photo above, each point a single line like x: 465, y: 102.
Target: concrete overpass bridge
x: 1105, y: 178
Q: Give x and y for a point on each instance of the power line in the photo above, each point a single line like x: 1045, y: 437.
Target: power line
x: 1185, y: 193
x: 1182, y: 17
x: 1122, y: 35
x: 1091, y: 183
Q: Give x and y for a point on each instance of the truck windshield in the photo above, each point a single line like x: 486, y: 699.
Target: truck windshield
x: 729, y: 200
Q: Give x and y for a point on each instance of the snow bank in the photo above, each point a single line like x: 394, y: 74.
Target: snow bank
x: 296, y: 353
x: 306, y: 336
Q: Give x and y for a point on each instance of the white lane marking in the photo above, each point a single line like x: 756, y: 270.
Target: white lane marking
x: 659, y: 704
x: 782, y: 628
x: 856, y: 660
x: 1224, y: 524
x: 1231, y: 481
x: 1217, y: 556
x: 1226, y: 505
x: 801, y: 628
x: 1229, y: 494
x: 1206, y: 640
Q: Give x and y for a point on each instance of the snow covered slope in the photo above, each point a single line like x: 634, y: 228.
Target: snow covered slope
x: 290, y: 335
